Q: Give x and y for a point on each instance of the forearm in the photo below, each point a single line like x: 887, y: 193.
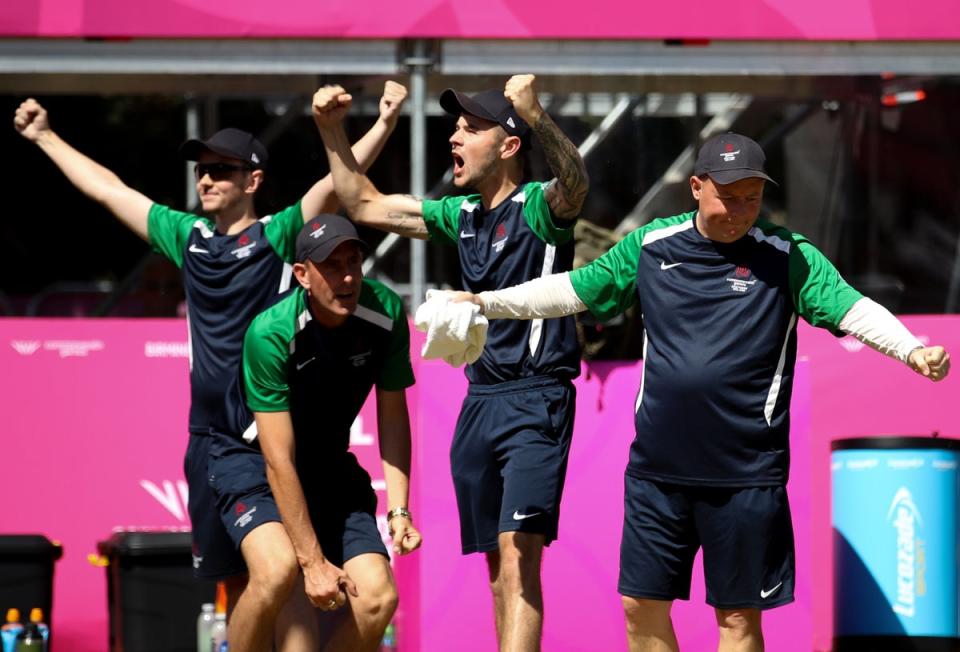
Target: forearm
x: 542, y: 298
x: 567, y: 166
x: 367, y: 149
x: 99, y: 183
x: 876, y: 327
x: 393, y: 429
x: 365, y: 204
x: 292, y: 504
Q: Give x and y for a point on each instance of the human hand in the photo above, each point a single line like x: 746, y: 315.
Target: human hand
x: 519, y: 91
x: 330, y: 105
x: 460, y: 296
x: 930, y: 361
x: 391, y: 102
x: 406, y: 538
x: 30, y: 120
x: 327, y: 585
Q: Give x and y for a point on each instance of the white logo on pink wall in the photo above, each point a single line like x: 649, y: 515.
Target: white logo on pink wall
x: 172, y: 495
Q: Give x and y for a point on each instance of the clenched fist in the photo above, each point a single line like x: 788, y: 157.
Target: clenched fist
x: 392, y: 101
x: 30, y: 120
x: 330, y: 105
x: 519, y: 91
x: 930, y: 361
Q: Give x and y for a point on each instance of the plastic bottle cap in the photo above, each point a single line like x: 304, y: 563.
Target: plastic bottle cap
x: 13, y: 615
x: 207, y: 607
x: 36, y: 615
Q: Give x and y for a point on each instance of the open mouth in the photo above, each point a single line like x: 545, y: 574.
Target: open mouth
x: 457, y: 164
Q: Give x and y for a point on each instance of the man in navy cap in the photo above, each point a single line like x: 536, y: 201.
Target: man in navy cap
x: 509, y: 452
x: 720, y: 291
x: 293, y: 499
x: 233, y: 262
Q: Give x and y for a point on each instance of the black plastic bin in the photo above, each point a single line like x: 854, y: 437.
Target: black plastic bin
x: 26, y: 575
x: 152, y: 595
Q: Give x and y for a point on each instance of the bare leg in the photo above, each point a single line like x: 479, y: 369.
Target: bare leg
x: 273, y: 571
x: 496, y: 588
x: 649, y: 628
x: 297, y: 629
x: 371, y: 610
x: 740, y: 630
x: 519, y: 579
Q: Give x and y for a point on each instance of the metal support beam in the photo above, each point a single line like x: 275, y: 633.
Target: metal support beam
x: 419, y: 65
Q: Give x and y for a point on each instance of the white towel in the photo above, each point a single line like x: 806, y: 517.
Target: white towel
x: 455, y: 332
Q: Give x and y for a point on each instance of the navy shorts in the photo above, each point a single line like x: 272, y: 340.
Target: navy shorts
x: 342, y: 506
x: 746, y: 535
x: 214, y: 555
x: 509, y: 459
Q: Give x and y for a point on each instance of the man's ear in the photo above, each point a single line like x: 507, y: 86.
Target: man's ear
x: 300, y: 272
x: 510, y: 147
x: 696, y: 187
x: 255, y: 180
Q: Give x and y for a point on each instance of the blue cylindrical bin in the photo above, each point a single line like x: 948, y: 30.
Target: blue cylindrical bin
x: 895, y: 505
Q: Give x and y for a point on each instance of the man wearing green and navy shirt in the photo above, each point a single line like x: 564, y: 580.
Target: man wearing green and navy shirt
x: 510, y: 448
x: 293, y: 499
x: 720, y: 292
x: 233, y: 262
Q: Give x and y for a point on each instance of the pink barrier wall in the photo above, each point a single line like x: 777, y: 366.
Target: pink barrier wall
x: 96, y: 415
x: 605, y: 19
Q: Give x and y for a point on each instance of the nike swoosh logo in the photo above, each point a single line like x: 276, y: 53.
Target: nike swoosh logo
x: 466, y: 235
x: 301, y: 365
x: 517, y: 516
x: 663, y: 265
x: 197, y: 250
x: 767, y: 594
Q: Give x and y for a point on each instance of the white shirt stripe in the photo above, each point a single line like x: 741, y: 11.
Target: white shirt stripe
x: 771, y: 240
x: 536, y: 326
x: 666, y: 232
x: 778, y: 376
x: 374, y: 317
x: 643, y: 370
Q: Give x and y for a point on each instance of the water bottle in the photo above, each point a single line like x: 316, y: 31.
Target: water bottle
x: 30, y: 639
x: 218, y: 634
x: 36, y: 617
x: 389, y: 642
x: 205, y: 627
x: 10, y: 630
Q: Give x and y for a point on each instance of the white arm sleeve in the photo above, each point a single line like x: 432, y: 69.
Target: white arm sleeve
x: 541, y: 298
x: 876, y: 327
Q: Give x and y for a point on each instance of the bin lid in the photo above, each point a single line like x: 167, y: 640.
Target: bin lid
x: 29, y: 545
x: 146, y: 544
x: 896, y: 442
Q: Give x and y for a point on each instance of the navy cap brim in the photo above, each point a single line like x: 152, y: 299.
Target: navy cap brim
x: 456, y: 103
x: 323, y: 250
x: 726, y: 177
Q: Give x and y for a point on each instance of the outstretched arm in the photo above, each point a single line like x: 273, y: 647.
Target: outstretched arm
x: 876, y: 327
x: 542, y: 298
x: 566, y: 194
x: 393, y: 427
x: 321, y: 198
x: 324, y: 583
x: 92, y: 179
x: 401, y: 214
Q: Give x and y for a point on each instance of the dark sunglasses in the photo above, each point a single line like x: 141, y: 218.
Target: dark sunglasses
x: 218, y: 171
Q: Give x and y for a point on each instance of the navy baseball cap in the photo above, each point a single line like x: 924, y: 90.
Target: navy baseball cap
x: 488, y: 105
x: 324, y: 233
x: 727, y: 158
x: 234, y: 143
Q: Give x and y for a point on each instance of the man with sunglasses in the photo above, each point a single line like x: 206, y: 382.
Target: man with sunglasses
x: 233, y: 264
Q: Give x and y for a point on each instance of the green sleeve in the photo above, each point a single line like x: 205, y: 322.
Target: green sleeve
x: 537, y: 214
x: 820, y: 294
x: 282, y: 230
x: 169, y: 229
x: 442, y: 217
x: 265, y: 351
x: 608, y: 285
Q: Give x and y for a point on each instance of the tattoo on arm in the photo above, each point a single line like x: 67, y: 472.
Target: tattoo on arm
x: 407, y: 225
x: 565, y: 162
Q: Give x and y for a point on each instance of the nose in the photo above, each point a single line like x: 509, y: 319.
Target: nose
x: 455, y: 138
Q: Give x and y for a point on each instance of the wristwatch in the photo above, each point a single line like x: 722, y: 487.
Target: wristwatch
x: 399, y: 511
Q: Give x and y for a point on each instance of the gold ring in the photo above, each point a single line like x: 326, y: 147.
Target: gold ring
x: 332, y: 604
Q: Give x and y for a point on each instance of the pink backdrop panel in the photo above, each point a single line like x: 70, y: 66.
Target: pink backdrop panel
x: 531, y: 19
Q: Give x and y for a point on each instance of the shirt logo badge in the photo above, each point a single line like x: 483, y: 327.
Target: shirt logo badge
x: 501, y: 238
x: 665, y: 266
